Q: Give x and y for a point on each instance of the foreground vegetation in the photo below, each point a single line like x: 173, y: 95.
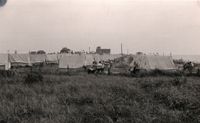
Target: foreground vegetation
x: 86, y: 98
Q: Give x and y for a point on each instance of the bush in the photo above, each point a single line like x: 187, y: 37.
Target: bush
x: 179, y: 81
x: 198, y: 72
x: 79, y: 101
x: 156, y: 73
x: 33, y: 77
x: 173, y: 99
x: 170, y: 73
x: 6, y: 73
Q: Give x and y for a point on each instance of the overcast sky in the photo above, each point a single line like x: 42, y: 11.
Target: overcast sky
x: 141, y: 25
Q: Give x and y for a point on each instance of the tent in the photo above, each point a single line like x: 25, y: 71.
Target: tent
x: 141, y: 60
x: 96, y: 57
x: 105, y: 57
x: 150, y: 62
x: 71, y: 61
x: 77, y: 61
x: 20, y: 59
x: 52, y: 59
x: 89, y: 58
x: 187, y: 58
x: 37, y: 58
x: 115, y: 56
x: 4, y: 62
x: 161, y: 62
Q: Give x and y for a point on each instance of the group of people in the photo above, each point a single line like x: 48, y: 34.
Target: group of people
x: 105, y: 67
x: 100, y: 67
x: 134, y: 69
x: 188, y: 67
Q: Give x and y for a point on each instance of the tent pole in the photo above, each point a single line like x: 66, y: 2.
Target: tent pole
x: 121, y: 48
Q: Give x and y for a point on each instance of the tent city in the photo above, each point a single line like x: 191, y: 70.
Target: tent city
x: 99, y: 61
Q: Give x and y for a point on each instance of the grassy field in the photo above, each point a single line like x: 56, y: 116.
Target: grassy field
x: 83, y: 98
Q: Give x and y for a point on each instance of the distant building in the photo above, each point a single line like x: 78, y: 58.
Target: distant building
x: 102, y: 51
x: 139, y: 53
x: 33, y: 52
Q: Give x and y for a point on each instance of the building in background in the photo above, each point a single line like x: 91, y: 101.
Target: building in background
x: 101, y: 51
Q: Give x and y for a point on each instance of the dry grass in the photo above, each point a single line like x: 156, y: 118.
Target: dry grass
x: 86, y: 98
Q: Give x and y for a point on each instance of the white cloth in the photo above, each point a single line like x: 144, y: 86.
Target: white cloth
x: 72, y: 61
x: 20, y: 58
x: 4, y: 61
x: 150, y: 62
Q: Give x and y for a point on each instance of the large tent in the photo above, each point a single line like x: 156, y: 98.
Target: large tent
x: 37, y: 58
x: 77, y: 61
x: 71, y: 61
x: 151, y: 62
x: 4, y: 62
x: 20, y: 59
x: 115, y: 56
x: 105, y: 57
x: 89, y: 58
x: 52, y: 58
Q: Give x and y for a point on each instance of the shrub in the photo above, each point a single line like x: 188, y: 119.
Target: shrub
x: 80, y: 100
x: 198, y: 72
x: 33, y: 77
x: 179, y: 81
x: 170, y: 73
x: 6, y: 73
x: 173, y: 99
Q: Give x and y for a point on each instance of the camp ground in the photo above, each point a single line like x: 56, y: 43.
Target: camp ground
x: 99, y: 61
x: 68, y: 76
x: 147, y: 62
x: 120, y: 63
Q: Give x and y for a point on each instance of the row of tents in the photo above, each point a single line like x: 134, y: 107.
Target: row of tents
x: 8, y: 60
x: 64, y: 60
x: 148, y: 62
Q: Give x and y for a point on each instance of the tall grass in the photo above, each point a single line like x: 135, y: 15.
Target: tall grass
x: 100, y: 99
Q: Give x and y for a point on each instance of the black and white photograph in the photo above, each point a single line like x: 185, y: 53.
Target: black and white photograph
x: 99, y: 61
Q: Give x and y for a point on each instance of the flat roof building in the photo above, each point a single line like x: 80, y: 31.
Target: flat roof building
x: 101, y: 51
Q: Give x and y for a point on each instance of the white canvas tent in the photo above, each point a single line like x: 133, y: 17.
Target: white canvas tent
x: 161, y: 62
x: 89, y: 58
x: 4, y: 62
x: 20, y: 59
x: 71, y: 61
x: 37, y: 58
x: 105, y: 57
x: 52, y: 58
x: 150, y: 62
x: 115, y: 56
x: 77, y: 61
